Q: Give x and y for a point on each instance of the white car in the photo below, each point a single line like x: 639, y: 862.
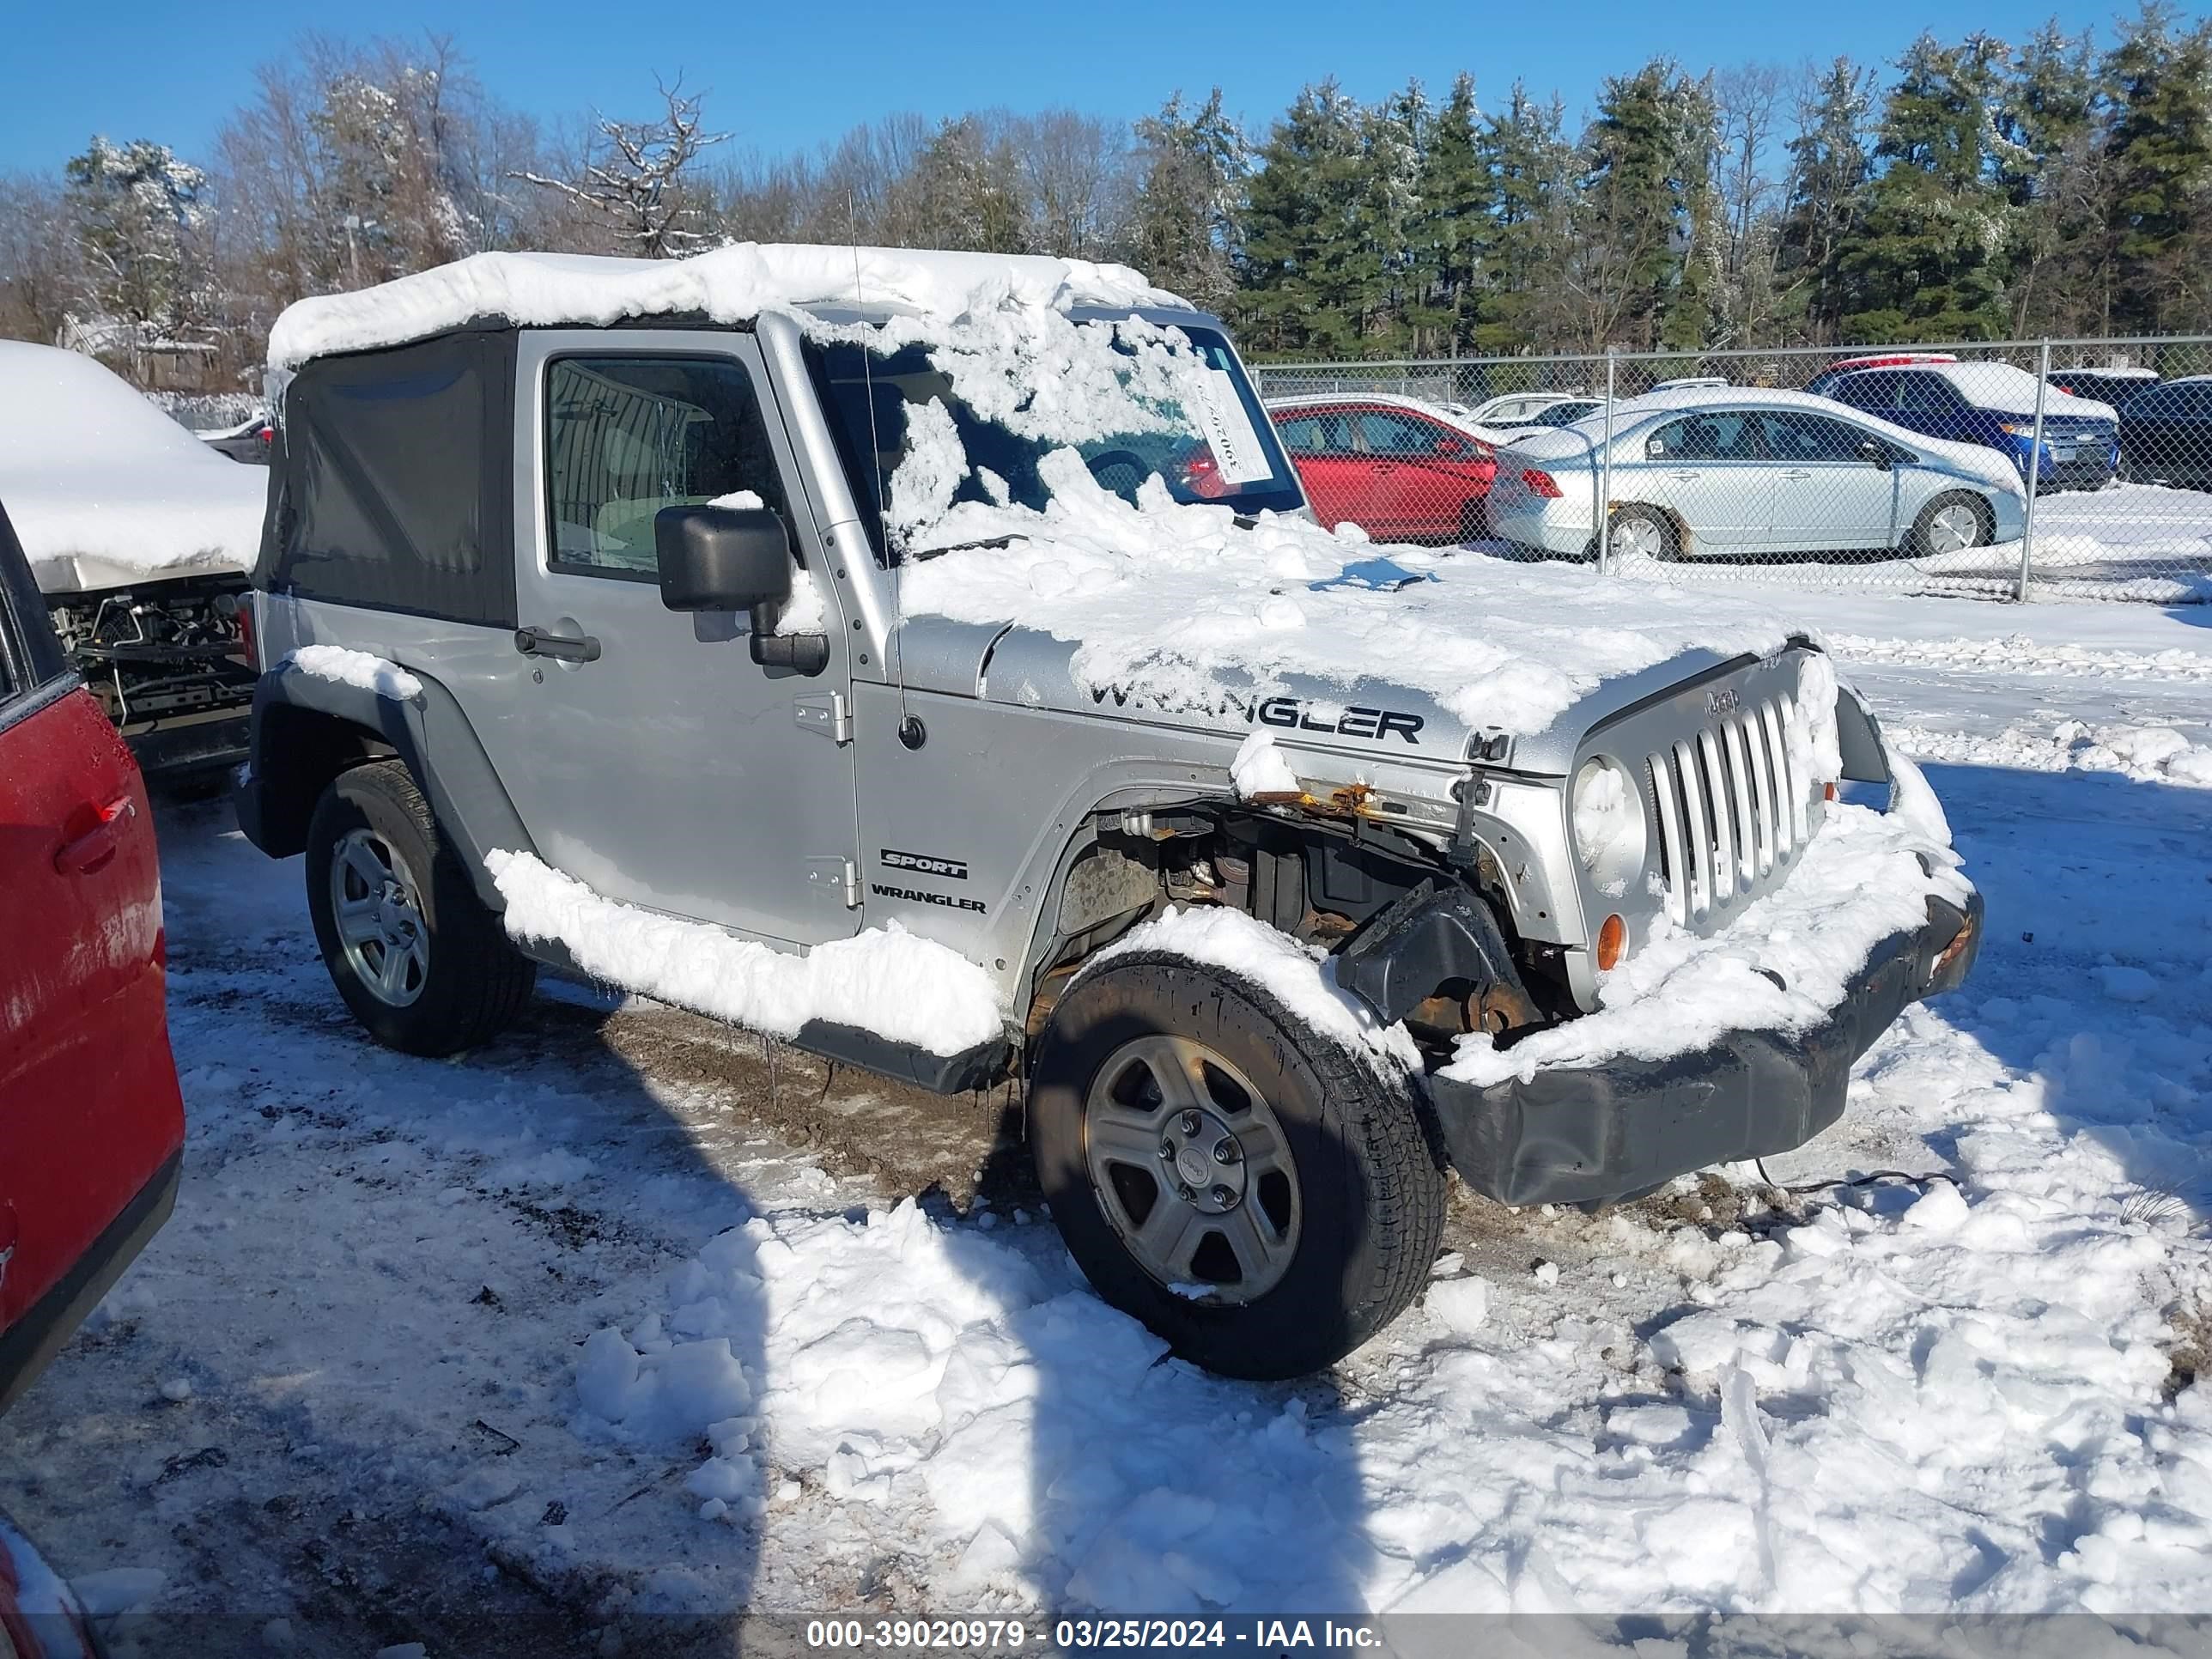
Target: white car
x: 1701, y: 475
x: 1517, y: 409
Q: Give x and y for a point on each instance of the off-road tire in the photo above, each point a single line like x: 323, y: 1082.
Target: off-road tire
x: 1371, y: 1190
x: 477, y: 983
x: 1917, y: 542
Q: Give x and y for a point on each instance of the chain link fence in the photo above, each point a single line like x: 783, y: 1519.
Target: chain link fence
x: 1899, y: 467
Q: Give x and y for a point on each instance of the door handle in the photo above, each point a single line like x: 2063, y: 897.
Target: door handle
x: 88, y: 853
x: 1686, y: 477
x: 1798, y: 474
x: 1386, y: 466
x: 537, y: 643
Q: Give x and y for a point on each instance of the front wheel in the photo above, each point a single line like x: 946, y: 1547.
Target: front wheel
x: 1260, y: 1196
x: 1951, y: 524
x: 416, y: 956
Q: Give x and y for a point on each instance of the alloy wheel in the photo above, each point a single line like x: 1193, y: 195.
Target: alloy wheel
x: 1191, y: 1170
x: 373, y: 900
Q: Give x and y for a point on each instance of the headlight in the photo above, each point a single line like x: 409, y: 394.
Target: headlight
x: 1608, y: 824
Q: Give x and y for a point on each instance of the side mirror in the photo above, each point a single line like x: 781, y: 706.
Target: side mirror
x: 732, y: 558
x: 1454, y: 449
x: 721, y: 558
x: 1874, y: 450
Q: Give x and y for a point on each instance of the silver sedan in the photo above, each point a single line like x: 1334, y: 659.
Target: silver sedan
x: 1698, y: 474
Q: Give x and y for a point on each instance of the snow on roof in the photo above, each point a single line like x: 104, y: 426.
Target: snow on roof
x: 730, y: 284
x: 104, y: 489
x: 2012, y: 390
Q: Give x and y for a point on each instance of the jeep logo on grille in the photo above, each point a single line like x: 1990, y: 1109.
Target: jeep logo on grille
x: 1723, y: 699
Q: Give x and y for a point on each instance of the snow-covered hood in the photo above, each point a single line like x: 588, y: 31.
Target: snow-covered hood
x: 104, y: 489
x: 1177, y: 614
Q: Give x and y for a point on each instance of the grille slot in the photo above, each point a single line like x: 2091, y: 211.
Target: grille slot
x: 1731, y: 808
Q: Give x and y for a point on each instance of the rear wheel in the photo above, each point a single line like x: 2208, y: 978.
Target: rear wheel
x: 1258, y: 1195
x: 417, y: 957
x: 1644, y: 532
x: 1952, y: 523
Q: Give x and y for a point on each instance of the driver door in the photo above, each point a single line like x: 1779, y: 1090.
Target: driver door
x: 650, y: 757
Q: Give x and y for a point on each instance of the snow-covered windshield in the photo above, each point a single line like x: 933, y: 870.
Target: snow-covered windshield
x: 947, y: 423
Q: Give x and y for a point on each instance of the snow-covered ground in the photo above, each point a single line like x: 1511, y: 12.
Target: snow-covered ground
x: 626, y: 1317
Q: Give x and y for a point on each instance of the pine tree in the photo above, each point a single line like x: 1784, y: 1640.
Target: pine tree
x: 1449, y: 226
x: 1829, y: 166
x: 1646, y: 210
x: 1525, y: 234
x: 136, y: 215
x: 1184, y: 231
x: 1926, y: 261
x: 1307, y: 276
x: 2159, y: 151
x: 2047, y: 163
x: 1394, y: 140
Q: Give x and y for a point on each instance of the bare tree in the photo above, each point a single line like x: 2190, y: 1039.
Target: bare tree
x: 636, y: 177
x: 1747, y: 102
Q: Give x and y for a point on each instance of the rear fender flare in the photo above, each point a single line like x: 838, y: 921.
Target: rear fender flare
x: 292, y: 762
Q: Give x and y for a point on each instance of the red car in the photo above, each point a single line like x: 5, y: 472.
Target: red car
x: 91, y: 1126
x: 1394, y: 466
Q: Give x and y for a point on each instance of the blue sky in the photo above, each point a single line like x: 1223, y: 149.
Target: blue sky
x: 789, y: 77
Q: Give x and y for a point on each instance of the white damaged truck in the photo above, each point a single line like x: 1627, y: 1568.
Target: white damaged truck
x: 930, y: 660
x: 140, y: 537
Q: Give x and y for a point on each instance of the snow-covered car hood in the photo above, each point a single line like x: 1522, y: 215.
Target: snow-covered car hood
x: 104, y: 489
x: 1179, y: 614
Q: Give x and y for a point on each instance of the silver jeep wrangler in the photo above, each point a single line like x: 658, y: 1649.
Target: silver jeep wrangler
x: 625, y: 598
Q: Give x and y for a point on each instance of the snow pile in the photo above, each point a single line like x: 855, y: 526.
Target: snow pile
x: 1864, y: 877
x: 2148, y: 754
x: 1304, y: 983
x: 355, y: 668
x: 730, y: 284
x: 1260, y: 769
x: 885, y: 981
x: 1176, y: 604
x: 2020, y: 653
x: 104, y: 489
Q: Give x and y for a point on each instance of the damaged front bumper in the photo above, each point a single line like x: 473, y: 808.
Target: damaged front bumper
x: 1581, y: 1134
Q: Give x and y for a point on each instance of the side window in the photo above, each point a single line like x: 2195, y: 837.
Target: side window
x: 1314, y: 435
x: 1391, y: 436
x: 1926, y: 394
x: 1867, y: 391
x: 1791, y: 436
x: 1707, y: 438
x: 627, y: 436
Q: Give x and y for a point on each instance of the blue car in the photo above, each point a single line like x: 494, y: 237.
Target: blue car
x: 1992, y: 404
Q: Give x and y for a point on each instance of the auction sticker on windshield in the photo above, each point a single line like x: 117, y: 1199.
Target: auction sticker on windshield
x: 1229, y: 430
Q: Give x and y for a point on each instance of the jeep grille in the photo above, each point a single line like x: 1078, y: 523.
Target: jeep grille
x: 1731, y: 808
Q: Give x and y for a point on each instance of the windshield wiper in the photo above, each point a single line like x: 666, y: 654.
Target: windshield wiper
x: 963, y: 547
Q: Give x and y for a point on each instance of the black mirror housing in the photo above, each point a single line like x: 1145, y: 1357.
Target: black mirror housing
x: 1873, y: 449
x: 721, y: 558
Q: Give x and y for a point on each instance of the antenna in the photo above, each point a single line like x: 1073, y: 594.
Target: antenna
x: 910, y: 730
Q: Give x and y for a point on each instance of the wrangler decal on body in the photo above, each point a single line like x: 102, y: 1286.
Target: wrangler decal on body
x: 916, y: 895
x: 1296, y: 714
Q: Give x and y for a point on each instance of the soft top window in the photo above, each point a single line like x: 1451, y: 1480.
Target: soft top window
x: 396, y: 489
